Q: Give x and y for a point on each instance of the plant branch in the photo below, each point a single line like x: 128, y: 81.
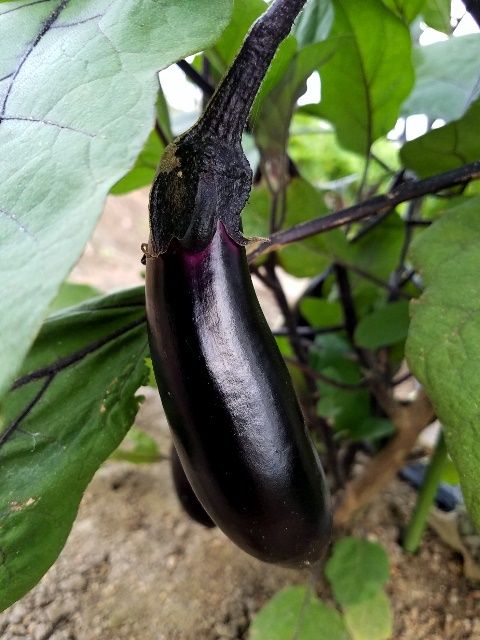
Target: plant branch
x: 378, y: 205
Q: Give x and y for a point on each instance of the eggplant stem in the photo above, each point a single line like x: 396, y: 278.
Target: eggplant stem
x: 227, y: 112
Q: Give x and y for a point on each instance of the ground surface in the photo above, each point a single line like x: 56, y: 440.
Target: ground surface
x: 136, y: 568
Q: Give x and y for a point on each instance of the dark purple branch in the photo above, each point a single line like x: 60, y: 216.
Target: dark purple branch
x: 375, y: 206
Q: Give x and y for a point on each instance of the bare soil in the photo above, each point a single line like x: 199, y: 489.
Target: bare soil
x: 135, y: 567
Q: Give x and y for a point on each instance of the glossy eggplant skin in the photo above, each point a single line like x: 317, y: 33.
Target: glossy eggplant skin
x: 227, y: 394
x: 186, y: 496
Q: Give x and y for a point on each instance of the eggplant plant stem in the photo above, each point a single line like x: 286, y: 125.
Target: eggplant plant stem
x: 426, y: 497
x: 227, y: 112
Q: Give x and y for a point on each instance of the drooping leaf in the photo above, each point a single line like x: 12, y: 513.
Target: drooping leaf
x: 357, y: 570
x: 447, y: 147
x: 371, y: 619
x: 443, y: 346
x: 447, y: 78
x: 294, y: 612
x: 405, y: 9
x: 384, y: 326
x: 71, y: 407
x: 369, y: 74
x: 77, y: 94
x: 437, y: 15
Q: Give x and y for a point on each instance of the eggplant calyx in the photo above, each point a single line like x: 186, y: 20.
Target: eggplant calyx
x: 201, y: 180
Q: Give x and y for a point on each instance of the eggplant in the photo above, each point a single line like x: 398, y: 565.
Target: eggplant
x: 236, y: 423
x: 185, y: 494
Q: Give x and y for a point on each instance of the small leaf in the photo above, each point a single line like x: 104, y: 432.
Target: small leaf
x: 445, y: 148
x: 356, y: 570
x: 371, y: 619
x: 321, y: 313
x: 137, y: 447
x: 443, y: 346
x: 61, y: 424
x: 383, y: 327
x: 371, y: 429
x: 296, y: 613
x: 437, y: 15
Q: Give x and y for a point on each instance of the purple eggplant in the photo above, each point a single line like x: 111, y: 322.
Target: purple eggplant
x: 186, y: 496
x: 236, y: 422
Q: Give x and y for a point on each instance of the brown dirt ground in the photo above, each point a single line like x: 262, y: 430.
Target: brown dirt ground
x: 136, y: 568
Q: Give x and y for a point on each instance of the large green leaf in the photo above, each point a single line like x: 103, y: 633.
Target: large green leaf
x: 443, y: 347
x: 59, y: 425
x: 447, y: 78
x: 369, y: 75
x: 77, y: 95
x: 296, y: 613
x: 357, y: 570
x: 445, y: 148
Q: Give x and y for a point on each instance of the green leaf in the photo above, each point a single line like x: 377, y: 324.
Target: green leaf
x: 371, y: 429
x: 309, y: 257
x: 71, y: 294
x: 138, y: 448
x: 79, y: 79
x: 244, y: 13
x: 371, y: 619
x: 369, y: 74
x: 346, y: 408
x: 357, y: 570
x: 295, y: 612
x: 60, y: 425
x: 443, y: 347
x: 384, y: 326
x: 437, y: 14
x: 445, y: 148
x: 405, y: 9
x: 447, y: 78
x: 144, y: 169
x: 314, y: 23
x: 321, y: 313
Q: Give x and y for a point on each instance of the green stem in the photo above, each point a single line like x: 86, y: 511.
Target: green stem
x: 426, y: 497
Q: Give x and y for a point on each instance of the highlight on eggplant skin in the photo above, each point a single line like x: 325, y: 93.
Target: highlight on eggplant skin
x: 185, y: 494
x: 236, y: 422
